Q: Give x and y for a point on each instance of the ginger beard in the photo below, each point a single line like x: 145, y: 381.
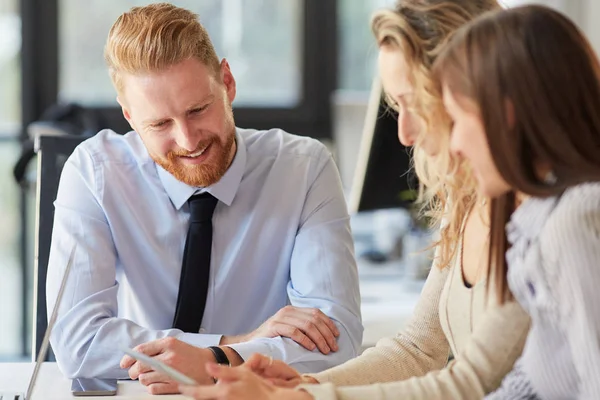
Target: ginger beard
x: 207, y: 173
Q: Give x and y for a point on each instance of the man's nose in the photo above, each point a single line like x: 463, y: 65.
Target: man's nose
x: 184, y: 137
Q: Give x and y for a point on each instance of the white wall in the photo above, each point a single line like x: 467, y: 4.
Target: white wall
x: 349, y: 111
x: 585, y: 13
x: 588, y: 18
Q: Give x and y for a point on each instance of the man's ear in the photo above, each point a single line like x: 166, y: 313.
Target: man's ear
x: 125, y: 111
x: 228, y: 80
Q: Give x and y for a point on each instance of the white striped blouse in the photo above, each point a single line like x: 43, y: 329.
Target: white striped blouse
x: 554, y: 272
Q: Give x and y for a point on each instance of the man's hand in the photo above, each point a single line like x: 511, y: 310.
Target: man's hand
x: 240, y: 384
x: 308, y: 327
x: 187, y: 359
x: 277, y: 372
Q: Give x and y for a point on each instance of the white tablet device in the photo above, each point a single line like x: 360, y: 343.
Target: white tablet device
x: 161, y: 367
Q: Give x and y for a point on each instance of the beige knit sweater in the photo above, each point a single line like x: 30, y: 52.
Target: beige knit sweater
x: 486, y: 341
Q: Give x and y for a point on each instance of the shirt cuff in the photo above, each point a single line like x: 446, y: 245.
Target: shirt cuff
x: 200, y: 339
x: 246, y: 349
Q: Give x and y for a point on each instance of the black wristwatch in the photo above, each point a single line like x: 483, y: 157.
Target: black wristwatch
x: 220, y: 356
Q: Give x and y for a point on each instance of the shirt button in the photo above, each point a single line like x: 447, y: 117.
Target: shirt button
x: 531, y: 288
x: 202, y: 330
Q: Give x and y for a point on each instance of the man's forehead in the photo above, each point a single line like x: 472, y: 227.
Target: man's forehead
x: 149, y: 96
x: 188, y: 73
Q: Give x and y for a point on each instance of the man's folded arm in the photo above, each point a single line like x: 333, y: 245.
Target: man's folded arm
x: 323, y: 275
x: 304, y: 360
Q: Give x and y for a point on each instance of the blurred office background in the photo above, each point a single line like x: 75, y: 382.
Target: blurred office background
x: 306, y: 66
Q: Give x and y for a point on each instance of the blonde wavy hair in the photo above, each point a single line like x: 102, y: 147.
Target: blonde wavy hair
x: 154, y: 37
x: 421, y: 29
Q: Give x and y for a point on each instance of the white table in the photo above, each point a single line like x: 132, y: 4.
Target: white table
x: 388, y: 300
x: 52, y: 385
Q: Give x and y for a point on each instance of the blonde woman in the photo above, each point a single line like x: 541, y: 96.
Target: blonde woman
x: 455, y: 315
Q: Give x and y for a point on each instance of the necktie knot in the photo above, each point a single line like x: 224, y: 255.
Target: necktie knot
x: 202, y: 207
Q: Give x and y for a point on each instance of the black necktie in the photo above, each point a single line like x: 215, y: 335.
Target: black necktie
x: 195, y: 269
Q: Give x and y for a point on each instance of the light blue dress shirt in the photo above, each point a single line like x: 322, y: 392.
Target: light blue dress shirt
x: 281, y: 236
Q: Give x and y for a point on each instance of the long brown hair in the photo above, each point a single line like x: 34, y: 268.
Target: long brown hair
x: 420, y: 29
x: 536, y: 81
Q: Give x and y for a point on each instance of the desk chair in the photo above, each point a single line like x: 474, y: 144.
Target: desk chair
x: 52, y: 152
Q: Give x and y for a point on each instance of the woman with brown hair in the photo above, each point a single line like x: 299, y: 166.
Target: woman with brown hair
x: 523, y: 90
x: 452, y: 316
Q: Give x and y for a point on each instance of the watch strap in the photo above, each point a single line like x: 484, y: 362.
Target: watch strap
x: 220, y: 356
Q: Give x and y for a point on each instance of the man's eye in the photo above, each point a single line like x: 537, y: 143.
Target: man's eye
x: 159, y: 124
x: 198, y: 110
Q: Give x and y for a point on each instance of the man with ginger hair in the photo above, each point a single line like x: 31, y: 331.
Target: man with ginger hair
x: 197, y: 241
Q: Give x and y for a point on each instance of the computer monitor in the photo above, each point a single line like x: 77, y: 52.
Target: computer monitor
x: 383, y: 174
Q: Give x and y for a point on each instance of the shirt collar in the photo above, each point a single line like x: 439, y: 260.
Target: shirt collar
x: 224, y: 190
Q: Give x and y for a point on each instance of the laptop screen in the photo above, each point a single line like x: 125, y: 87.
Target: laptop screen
x: 46, y: 341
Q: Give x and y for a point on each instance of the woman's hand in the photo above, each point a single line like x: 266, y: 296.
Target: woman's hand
x: 240, y: 383
x: 277, y: 372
